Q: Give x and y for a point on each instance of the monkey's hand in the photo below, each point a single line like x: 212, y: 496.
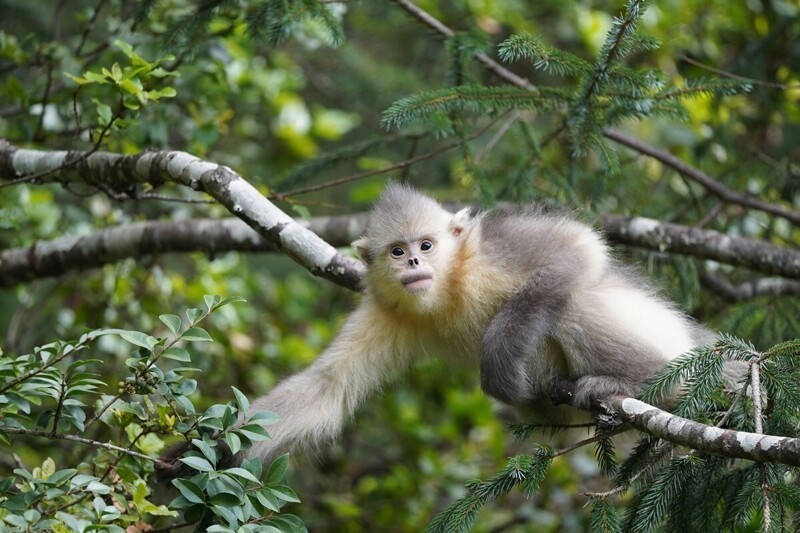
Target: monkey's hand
x: 169, y: 466
x: 561, y: 390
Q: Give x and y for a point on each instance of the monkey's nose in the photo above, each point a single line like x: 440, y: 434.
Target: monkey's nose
x: 413, y: 261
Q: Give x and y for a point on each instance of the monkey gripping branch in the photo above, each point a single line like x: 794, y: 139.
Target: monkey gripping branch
x: 118, y: 173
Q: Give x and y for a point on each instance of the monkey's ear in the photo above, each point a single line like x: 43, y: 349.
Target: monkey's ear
x: 361, y: 246
x: 460, y: 221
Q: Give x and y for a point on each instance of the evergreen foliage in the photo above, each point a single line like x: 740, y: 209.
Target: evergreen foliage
x: 526, y: 471
x: 604, y: 94
x: 272, y: 21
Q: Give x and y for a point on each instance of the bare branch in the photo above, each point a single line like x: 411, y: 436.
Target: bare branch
x: 118, y: 173
x: 674, y: 238
x: 76, y: 438
x: 749, y: 289
x: 707, y: 182
x: 703, y: 438
x: 53, y: 258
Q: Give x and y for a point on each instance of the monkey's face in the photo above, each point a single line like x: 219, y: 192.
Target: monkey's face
x: 413, y: 272
x: 412, y: 263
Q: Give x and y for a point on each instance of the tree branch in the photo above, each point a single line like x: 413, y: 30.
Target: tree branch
x: 703, y: 438
x: 75, y: 438
x: 118, y: 173
x: 707, y: 182
x: 749, y: 289
x: 53, y: 258
x: 668, y: 237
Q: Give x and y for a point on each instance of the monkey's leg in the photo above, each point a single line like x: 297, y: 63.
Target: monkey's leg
x: 590, y: 388
x: 516, y: 362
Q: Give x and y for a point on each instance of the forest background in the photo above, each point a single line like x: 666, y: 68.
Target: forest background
x: 673, y: 126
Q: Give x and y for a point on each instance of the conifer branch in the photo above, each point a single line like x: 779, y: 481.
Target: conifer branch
x: 434, y: 23
x: 685, y: 169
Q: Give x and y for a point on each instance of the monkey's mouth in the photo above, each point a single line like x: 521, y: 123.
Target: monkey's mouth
x: 417, y: 282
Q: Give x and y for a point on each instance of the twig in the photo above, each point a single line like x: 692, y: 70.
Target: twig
x: 590, y: 440
x: 430, y: 21
x: 75, y: 438
x: 749, y: 289
x: 710, y: 184
x: 726, y: 74
x: 396, y: 166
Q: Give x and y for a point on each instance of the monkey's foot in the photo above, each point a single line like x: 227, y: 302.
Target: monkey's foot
x: 605, y: 417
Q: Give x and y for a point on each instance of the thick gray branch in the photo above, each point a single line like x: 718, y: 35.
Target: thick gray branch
x: 117, y: 172
x: 706, y: 439
x: 749, y: 289
x: 674, y: 238
x: 52, y: 258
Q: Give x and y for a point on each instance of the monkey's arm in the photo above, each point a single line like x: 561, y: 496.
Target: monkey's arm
x: 510, y: 358
x: 314, y: 404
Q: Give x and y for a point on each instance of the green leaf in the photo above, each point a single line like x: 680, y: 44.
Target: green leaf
x: 234, y: 442
x: 194, y: 315
x: 229, y: 300
x: 137, y: 338
x: 124, y: 47
x: 166, y: 92
x: 189, y: 490
x: 226, y: 499
x: 242, y: 401
x: 206, y: 450
x: 242, y: 473
x: 173, y: 322
x: 103, y: 113
x: 198, y: 463
x: 264, y: 418
x: 177, y: 353
x: 268, y: 500
x: 211, y: 301
x: 196, y: 334
x: 277, y: 470
x: 284, y: 493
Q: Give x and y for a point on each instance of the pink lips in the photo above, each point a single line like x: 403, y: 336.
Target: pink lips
x: 418, y: 282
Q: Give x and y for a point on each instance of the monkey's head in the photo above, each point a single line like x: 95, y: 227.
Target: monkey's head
x: 410, y: 247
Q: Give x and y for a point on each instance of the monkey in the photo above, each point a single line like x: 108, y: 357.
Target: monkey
x: 527, y: 297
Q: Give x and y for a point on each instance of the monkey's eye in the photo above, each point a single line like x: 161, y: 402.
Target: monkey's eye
x: 425, y: 246
x: 397, y: 251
